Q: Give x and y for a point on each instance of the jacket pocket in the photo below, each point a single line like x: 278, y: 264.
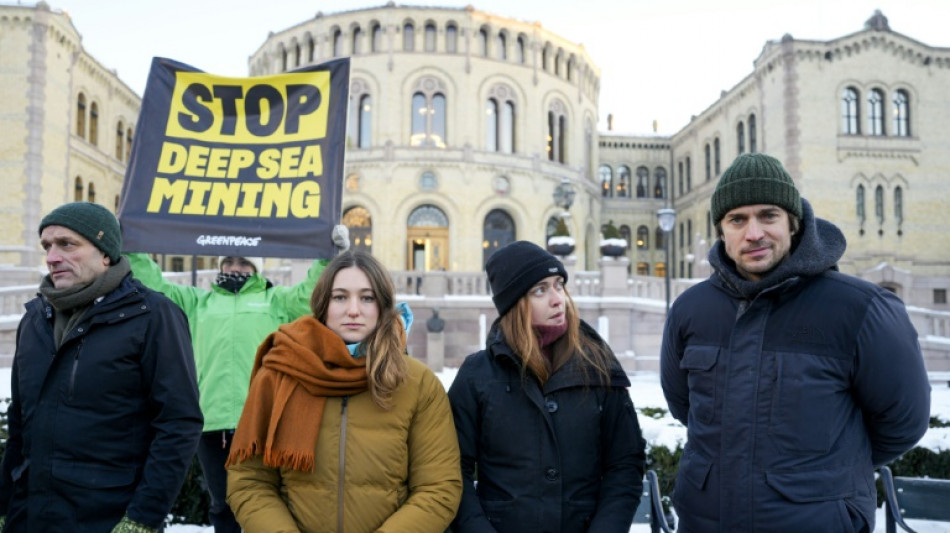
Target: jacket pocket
x: 700, y: 365
x: 813, y: 486
x: 93, y: 476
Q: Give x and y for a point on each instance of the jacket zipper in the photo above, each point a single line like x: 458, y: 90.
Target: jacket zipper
x: 339, y: 513
x: 72, y: 374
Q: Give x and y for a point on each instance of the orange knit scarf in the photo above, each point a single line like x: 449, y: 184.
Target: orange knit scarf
x: 295, y: 370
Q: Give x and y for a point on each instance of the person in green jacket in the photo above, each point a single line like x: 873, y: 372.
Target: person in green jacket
x: 228, y: 323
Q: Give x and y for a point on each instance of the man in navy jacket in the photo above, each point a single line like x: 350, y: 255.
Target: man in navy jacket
x: 794, y: 381
x: 104, y: 416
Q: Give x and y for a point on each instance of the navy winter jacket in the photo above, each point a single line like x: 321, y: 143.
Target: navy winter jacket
x: 107, y: 424
x: 793, y: 389
x: 563, y: 458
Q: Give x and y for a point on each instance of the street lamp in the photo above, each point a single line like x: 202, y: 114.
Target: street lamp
x: 564, y: 194
x: 667, y: 219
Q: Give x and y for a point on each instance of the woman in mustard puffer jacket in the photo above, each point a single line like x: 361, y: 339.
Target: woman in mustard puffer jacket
x: 341, y: 430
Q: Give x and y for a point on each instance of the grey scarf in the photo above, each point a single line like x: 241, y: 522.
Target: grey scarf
x: 72, y: 303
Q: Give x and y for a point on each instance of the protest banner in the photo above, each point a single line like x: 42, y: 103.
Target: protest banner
x: 237, y: 166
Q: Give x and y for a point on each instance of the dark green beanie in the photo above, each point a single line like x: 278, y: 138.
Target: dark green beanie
x: 94, y: 222
x: 755, y: 179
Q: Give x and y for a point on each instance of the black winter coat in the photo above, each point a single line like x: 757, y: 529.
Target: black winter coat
x: 106, y: 425
x: 564, y: 458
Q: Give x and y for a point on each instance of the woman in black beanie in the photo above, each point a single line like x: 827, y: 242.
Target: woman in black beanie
x: 543, y: 414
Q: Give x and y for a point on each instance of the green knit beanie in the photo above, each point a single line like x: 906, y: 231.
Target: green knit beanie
x: 95, y: 223
x: 755, y: 179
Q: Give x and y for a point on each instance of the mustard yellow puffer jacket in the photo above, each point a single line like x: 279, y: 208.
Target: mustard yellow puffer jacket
x: 400, y: 469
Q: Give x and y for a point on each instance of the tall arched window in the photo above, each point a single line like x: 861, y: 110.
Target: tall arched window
x: 357, y: 40
x: 81, y: 115
x: 428, y: 114
x: 364, y: 121
x: 94, y: 123
x: 659, y: 237
x: 740, y: 137
x: 716, y: 155
x: 899, y: 205
x: 491, y: 125
x: 78, y: 190
x: 408, y: 37
x: 428, y: 243
x: 623, y: 181
x: 643, y: 177
x: 119, y: 134
x: 519, y: 50
x: 901, y: 113
x: 501, y: 45
x: 500, y: 119
x: 879, y: 204
x: 689, y: 174
x: 850, y: 119
x: 359, y: 129
x: 91, y: 194
x: 128, y: 144
x: 606, y: 181
x: 708, y: 162
x: 296, y: 54
x: 643, y: 238
x: 283, y: 59
x: 752, y: 134
x: 337, y: 42
x: 357, y: 219
x: 557, y: 132
x: 859, y: 204
x: 659, y: 180
x: 451, y: 38
x: 483, y: 42
x: 498, y: 230
x: 376, y: 37
x: 311, y: 48
x: 625, y: 235
x: 876, y: 112
x: 430, y: 37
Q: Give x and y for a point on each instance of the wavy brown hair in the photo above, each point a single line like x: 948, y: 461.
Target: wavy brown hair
x: 385, y: 347
x: 515, y: 326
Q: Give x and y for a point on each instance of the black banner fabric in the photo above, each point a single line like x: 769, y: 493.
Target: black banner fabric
x: 237, y: 166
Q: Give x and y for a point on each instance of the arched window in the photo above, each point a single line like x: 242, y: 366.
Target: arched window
x: 643, y: 177
x: 296, y: 54
x: 659, y: 236
x: 625, y: 235
x: 643, y: 238
x: 708, y: 162
x: 357, y: 40
x: 850, y: 119
x: 659, y: 180
x: 364, y: 121
x: 679, y: 172
x: 360, y: 224
x: 79, y: 190
x: 491, y: 125
x: 752, y: 147
x: 91, y: 192
x: 740, y: 137
x: 376, y: 37
x: 311, y: 48
x: 557, y: 132
x: 128, y: 144
x: 876, y: 112
x: 94, y: 123
x: 119, y: 134
x: 497, y: 231
x: 623, y: 181
x: 337, y: 40
x: 451, y: 38
x: 359, y: 129
x: 879, y: 204
x: 428, y: 114
x: 689, y: 175
x: 901, y: 113
x: 500, y: 120
x: 859, y: 204
x: 430, y: 37
x: 606, y: 181
x: 427, y: 233
x: 558, y: 61
x: 716, y: 154
x: 899, y: 205
x: 501, y: 45
x: 483, y: 42
x: 81, y: 115
x: 545, y: 54
x: 283, y: 59
x: 408, y: 37
x: 519, y: 50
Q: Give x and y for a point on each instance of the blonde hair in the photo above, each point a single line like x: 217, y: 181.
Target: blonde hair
x: 384, y: 347
x: 516, y: 328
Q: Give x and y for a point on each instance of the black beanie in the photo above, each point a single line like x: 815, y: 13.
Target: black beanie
x: 95, y: 223
x: 514, y: 268
x: 755, y: 179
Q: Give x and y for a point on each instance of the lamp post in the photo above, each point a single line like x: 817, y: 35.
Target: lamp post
x: 667, y: 219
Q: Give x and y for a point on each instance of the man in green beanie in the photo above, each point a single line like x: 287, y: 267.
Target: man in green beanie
x: 794, y: 381
x: 104, y: 418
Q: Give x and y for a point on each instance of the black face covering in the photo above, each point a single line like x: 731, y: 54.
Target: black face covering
x: 231, y: 282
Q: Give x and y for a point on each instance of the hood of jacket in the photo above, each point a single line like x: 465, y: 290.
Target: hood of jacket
x: 818, y: 249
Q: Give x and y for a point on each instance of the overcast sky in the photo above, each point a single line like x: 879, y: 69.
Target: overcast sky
x: 662, y: 60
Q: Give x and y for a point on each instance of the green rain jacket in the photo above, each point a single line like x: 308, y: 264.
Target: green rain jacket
x: 226, y: 329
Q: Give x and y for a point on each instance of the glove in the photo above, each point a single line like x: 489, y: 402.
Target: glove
x: 127, y: 525
x: 341, y: 237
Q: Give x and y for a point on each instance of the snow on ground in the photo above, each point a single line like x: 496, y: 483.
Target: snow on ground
x: 646, y: 392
